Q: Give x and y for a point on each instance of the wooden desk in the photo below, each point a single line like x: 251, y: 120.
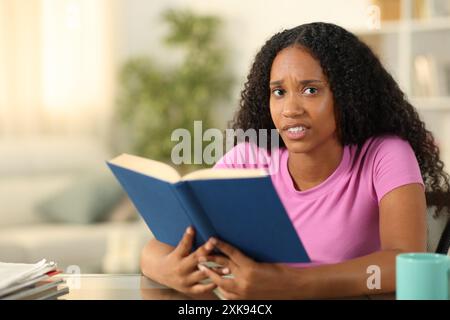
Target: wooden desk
x: 135, y: 287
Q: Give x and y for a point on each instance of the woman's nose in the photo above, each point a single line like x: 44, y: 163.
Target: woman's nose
x: 292, y: 108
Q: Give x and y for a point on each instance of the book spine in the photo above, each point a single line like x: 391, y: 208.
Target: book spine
x: 203, y: 227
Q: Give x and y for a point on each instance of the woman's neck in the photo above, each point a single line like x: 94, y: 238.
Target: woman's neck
x: 311, y: 169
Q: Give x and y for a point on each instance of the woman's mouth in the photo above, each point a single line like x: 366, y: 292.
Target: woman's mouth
x: 296, y: 133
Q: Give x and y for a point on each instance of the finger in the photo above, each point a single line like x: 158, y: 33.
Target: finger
x: 190, y: 262
x: 195, y: 277
x: 220, y: 270
x: 189, y: 265
x: 203, y: 288
x: 203, y: 250
x: 228, y: 266
x: 185, y: 245
x: 220, y: 260
x: 223, y: 294
x: 234, y: 254
x: 226, y: 284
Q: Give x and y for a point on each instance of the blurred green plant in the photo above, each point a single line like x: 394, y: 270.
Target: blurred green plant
x: 154, y: 101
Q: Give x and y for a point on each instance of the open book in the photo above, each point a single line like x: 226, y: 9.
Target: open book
x: 239, y: 206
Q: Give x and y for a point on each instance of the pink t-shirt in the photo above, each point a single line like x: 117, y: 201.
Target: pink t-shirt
x: 339, y: 219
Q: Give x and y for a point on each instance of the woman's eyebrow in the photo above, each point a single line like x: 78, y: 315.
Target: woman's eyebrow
x: 303, y: 82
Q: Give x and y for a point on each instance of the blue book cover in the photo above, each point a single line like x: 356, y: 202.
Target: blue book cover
x: 238, y: 206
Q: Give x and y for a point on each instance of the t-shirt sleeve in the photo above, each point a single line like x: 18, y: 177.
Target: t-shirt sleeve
x: 243, y: 156
x: 395, y: 165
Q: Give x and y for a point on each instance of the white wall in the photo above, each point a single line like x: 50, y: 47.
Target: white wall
x: 247, y: 25
x: 250, y: 23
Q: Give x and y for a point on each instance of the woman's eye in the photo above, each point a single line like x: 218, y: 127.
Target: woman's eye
x: 310, y: 91
x: 278, y: 92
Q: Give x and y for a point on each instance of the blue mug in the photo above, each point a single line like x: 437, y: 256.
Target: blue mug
x: 422, y: 276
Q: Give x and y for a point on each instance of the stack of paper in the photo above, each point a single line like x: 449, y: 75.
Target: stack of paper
x: 20, y: 281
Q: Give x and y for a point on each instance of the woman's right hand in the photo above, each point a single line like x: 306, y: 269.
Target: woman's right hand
x: 179, y: 270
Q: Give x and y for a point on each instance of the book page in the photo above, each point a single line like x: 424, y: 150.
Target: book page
x: 152, y: 168
x: 206, y: 174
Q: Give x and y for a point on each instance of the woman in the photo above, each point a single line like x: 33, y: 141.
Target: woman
x: 355, y: 161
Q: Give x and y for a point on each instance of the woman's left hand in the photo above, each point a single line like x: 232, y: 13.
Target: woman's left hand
x: 251, y: 280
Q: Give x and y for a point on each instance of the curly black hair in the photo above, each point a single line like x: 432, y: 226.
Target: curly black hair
x: 368, y: 101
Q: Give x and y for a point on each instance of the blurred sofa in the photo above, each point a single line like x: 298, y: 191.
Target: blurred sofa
x: 59, y: 201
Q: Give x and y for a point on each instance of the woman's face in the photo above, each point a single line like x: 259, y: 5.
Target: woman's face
x: 301, y: 102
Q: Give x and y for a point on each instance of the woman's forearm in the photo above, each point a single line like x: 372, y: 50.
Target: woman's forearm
x: 356, y: 277
x: 151, y: 256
